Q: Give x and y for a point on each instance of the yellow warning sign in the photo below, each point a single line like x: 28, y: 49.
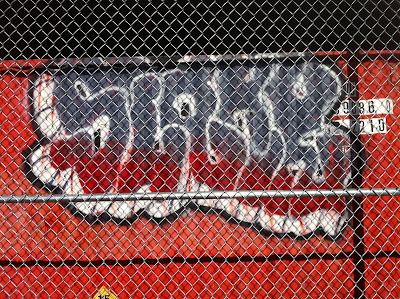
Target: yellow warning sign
x: 103, y: 293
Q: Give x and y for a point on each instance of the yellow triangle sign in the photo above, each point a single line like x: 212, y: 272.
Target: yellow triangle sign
x: 103, y: 293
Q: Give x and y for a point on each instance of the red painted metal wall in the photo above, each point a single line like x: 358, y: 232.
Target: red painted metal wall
x: 46, y: 251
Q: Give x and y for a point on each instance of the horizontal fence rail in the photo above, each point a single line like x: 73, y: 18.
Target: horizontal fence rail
x: 199, y: 195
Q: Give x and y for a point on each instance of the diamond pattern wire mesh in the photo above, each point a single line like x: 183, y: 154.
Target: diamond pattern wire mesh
x: 200, y: 150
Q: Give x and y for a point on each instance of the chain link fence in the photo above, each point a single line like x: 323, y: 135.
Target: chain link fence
x: 200, y: 149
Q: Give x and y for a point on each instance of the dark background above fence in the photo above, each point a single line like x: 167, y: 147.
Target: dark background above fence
x: 154, y: 28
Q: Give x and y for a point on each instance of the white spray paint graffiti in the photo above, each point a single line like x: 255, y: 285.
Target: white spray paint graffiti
x: 185, y: 105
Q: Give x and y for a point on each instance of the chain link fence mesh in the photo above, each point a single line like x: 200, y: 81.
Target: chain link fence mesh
x: 200, y: 149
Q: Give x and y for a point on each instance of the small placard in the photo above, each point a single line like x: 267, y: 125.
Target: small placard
x: 104, y: 293
x: 367, y: 125
x: 366, y: 107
